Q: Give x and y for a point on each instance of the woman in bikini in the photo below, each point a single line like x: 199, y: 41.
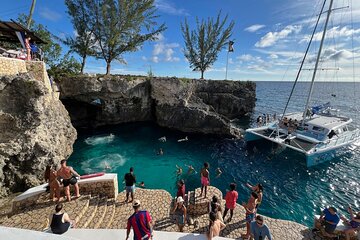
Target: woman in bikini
x: 54, y: 185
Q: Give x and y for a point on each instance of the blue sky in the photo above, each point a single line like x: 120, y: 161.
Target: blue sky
x: 270, y: 38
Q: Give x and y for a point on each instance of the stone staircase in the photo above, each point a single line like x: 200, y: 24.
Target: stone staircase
x: 96, y: 211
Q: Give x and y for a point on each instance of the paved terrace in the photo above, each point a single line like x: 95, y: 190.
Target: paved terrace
x: 97, y: 212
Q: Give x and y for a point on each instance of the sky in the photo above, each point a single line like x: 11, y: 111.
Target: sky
x: 270, y: 38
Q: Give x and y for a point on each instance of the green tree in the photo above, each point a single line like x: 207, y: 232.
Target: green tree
x: 68, y: 65
x: 203, y: 44
x: 123, y: 26
x: 84, y: 41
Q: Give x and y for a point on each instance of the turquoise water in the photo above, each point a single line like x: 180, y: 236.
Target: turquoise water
x: 292, y: 191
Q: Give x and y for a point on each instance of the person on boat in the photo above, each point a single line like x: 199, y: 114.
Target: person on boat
x: 141, y: 222
x: 130, y: 181
x: 327, y: 222
x: 259, y: 230
x: 180, y: 213
x: 230, y: 198
x: 205, y: 178
x: 60, y: 221
x: 218, y: 172
x: 353, y: 224
x: 183, y: 139
x: 162, y: 139
x: 191, y: 169
x: 274, y: 116
x: 258, y: 189
x: 215, y: 226
x: 69, y: 176
x: 331, y: 134
x: 259, y: 121
x: 250, y: 211
x: 54, y: 185
x: 181, y: 189
x: 179, y: 170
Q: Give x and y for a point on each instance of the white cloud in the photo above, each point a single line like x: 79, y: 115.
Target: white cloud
x: 335, y: 32
x: 273, y: 56
x: 168, y: 8
x: 49, y: 14
x: 164, y: 51
x: 254, y: 28
x: 272, y: 37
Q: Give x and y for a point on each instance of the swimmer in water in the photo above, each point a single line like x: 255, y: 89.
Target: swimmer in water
x: 191, y: 169
x: 183, y: 139
x: 142, y: 185
x: 162, y: 139
x: 218, y: 172
x: 179, y: 170
x: 107, y: 166
x: 160, y: 152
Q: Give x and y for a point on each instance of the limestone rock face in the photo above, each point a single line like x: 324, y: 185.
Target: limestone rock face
x: 35, y: 130
x: 203, y: 106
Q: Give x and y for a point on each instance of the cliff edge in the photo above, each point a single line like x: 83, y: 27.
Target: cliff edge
x: 188, y: 105
x: 35, y: 130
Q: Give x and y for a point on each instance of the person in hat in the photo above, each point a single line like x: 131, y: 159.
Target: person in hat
x: 327, y: 222
x: 180, y: 213
x: 259, y: 230
x: 140, y: 222
x: 69, y: 176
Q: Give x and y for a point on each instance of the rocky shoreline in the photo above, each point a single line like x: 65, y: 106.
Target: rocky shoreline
x: 188, y: 105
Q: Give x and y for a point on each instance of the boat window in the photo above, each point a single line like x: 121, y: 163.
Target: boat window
x: 318, y: 129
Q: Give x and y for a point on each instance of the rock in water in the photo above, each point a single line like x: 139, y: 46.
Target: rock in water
x: 35, y: 130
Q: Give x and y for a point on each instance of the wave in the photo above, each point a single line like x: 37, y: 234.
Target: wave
x: 100, y: 139
x: 106, y: 162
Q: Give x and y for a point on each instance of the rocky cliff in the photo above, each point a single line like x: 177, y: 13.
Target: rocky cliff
x: 35, y: 130
x: 187, y: 105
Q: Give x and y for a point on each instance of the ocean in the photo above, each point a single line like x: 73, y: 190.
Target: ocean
x: 291, y: 190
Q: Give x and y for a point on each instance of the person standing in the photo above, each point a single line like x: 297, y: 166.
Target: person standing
x: 230, y: 198
x: 54, y: 185
x: 60, y: 221
x: 181, y: 189
x: 180, y: 213
x: 69, y: 176
x: 250, y: 208
x: 205, y: 178
x: 215, y: 207
x: 130, y: 181
x: 259, y: 230
x: 28, y: 48
x: 140, y: 222
x: 215, y: 226
x: 258, y: 188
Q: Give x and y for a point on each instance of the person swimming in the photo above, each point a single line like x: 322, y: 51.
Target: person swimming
x: 218, y: 172
x: 160, y: 152
x: 162, y: 139
x: 191, y: 169
x: 179, y: 170
x: 107, y: 166
x: 183, y: 139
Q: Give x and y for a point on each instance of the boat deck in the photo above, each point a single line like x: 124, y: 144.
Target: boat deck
x: 295, y: 142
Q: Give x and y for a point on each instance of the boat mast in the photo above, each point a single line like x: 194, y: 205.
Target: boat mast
x: 317, y: 61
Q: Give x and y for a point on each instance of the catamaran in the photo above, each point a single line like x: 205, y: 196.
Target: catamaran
x: 317, y: 131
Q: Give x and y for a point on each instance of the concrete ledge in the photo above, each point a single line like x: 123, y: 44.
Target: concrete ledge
x: 105, y: 185
x: 93, y: 234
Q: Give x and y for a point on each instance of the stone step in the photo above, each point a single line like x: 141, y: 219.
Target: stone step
x: 36, y: 217
x: 122, y: 211
x: 110, y: 211
x: 99, y: 215
x: 90, y: 212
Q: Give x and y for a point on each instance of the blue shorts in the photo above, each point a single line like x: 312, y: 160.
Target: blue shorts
x: 250, y: 217
x: 130, y: 189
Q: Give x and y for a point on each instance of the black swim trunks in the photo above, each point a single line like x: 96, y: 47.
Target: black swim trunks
x: 69, y: 181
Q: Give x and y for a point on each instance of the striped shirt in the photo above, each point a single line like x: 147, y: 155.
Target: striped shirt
x: 139, y: 222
